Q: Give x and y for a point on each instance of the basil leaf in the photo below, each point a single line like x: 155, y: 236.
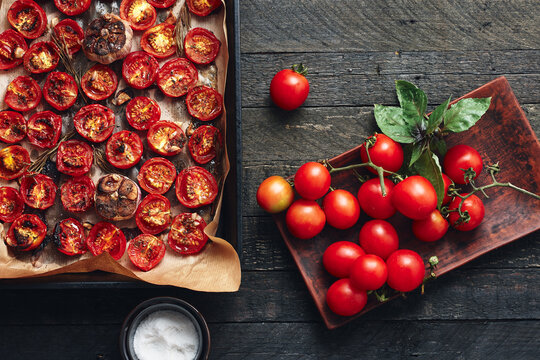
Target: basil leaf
x: 416, y: 152
x: 465, y: 113
x: 428, y: 166
x: 390, y: 121
x: 413, y: 101
x: 437, y: 116
x: 439, y: 146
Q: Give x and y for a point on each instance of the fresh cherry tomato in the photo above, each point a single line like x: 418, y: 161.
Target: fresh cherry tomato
x: 195, y: 187
x: 72, y: 7
x: 26, y: 232
x: 339, y: 257
x: 341, y: 209
x: 139, y: 13
x: 94, y: 122
x: 44, y: 129
x: 201, y: 46
x: 74, y: 157
x: 23, y: 94
x: 159, y: 40
x: 405, y: 270
x: 459, y: 158
x: 12, y: 49
x: 204, y: 143
x: 344, y: 299
x: 447, y: 182
x: 99, y: 82
x: 146, y: 251
x: 60, y: 90
x: 289, y: 88
x: 140, y: 69
x: 431, y: 228
x: 106, y: 237
x: 176, y: 77
x: 202, y: 7
x: 14, y: 160
x: 275, y: 194
x: 305, y: 219
x: 187, y: 234
x: 124, y: 149
x: 12, y: 127
x: 41, y: 57
x: 161, y: 4
x: 368, y: 272
x: 312, y: 181
x: 28, y: 18
x: 77, y: 194
x: 69, y: 237
x: 11, y: 204
x: 71, y: 34
x: 473, y: 206
x: 386, y: 153
x: 373, y: 202
x: 166, y: 138
x: 204, y: 103
x: 378, y: 237
x: 157, y: 175
x: 153, y: 214
x: 38, y: 191
x: 414, y: 197
x: 142, y: 112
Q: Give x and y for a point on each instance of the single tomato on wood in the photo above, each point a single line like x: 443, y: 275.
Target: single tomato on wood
x: 290, y: 88
x: 275, y: 194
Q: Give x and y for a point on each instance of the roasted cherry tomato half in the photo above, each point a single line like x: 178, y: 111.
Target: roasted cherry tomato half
x: 28, y: 18
x: 305, y: 219
x: 312, y: 180
x: 166, y: 138
x: 460, y: 158
x: 14, y: 160
x: 431, y: 228
x: 38, y: 191
x: 23, y: 94
x: 12, y: 49
x: 142, y: 112
x: 94, y: 122
x: 60, y: 90
x: 71, y: 34
x: 44, y: 129
x: 99, y: 82
x: 72, y: 7
x: 405, y: 270
x: 146, y: 251
x: 26, y: 232
x: 378, y: 237
x: 386, y: 153
x: 204, y: 103
x: 368, y: 272
x: 195, y: 187
x: 159, y: 40
x: 339, y: 257
x: 341, y: 209
x: 12, y: 127
x: 124, y: 149
x: 176, y: 77
x: 77, y: 194
x: 201, y: 46
x: 204, y: 143
x: 11, y: 204
x: 202, y: 7
x: 139, y: 69
x: 373, y: 202
x: 157, y: 175
x: 344, y: 299
x: 106, y: 237
x: 161, y: 4
x: 153, y: 214
x: 74, y: 157
x: 187, y: 234
x: 472, y: 206
x: 138, y: 13
x: 69, y: 237
x: 41, y: 57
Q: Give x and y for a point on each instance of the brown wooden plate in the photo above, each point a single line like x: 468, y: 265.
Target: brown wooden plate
x: 502, y: 135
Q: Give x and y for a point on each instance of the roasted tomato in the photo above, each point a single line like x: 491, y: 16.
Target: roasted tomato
x: 201, y: 46
x: 69, y: 237
x: 60, y: 90
x: 44, y: 129
x: 146, y: 251
x: 139, y: 69
x: 72, y: 7
x: 11, y: 204
x: 203, y: 7
x: 106, y: 237
x: 26, y: 232
x: 176, y: 77
x: 166, y: 138
x: 23, y: 94
x: 77, y: 194
x: 162, y: 4
x: 28, y: 18
x: 124, y: 149
x: 94, y: 122
x: 153, y: 214
x: 204, y: 142
x: 159, y: 40
x: 204, y: 103
x: 139, y: 13
x: 12, y: 49
x: 187, y: 234
x: 142, y: 112
x: 157, y: 175
x: 74, y: 157
x: 38, y: 191
x: 14, y: 160
x: 195, y: 187
x: 41, y: 57
x: 12, y: 127
x: 99, y: 82
x: 69, y: 32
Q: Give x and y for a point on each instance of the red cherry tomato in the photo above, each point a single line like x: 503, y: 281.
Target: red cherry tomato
x: 146, y: 251
x: 459, y: 158
x: 72, y: 7
x: 23, y: 94
x: 305, y: 219
x: 373, y: 202
x: 139, y: 13
x: 26, y: 232
x: 106, y: 237
x: 69, y: 32
x: 196, y: 187
x: 12, y: 49
x: 28, y: 18
x: 12, y: 127
x: 77, y: 194
x: 99, y: 82
x: 60, y: 90
x: 166, y: 138
x: 341, y: 209
x: 368, y: 272
x: 204, y: 144
x: 161, y: 4
x: 139, y: 69
x: 41, y: 57
x: 312, y: 181
x: 38, y: 191
x: 447, y: 182
x: 124, y: 149
x: 339, y: 257
x: 386, y: 153
x: 159, y: 40
x: 153, y: 214
x: 201, y: 46
x: 202, y: 7
x: 142, y: 112
x: 414, y: 197
x: 378, y: 237
x: 94, y: 122
x: 289, y: 89
x: 11, y: 204
x: 431, y: 228
x: 275, y: 194
x: 44, y: 129
x: 14, y: 160
x: 204, y: 103
x: 69, y: 237
x: 74, y: 157
x: 176, y: 77
x: 187, y: 234
x: 157, y: 175
x: 474, y: 208
x: 405, y: 270
x: 344, y: 299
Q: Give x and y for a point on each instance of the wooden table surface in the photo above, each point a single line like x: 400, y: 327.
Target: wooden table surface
x: 488, y: 309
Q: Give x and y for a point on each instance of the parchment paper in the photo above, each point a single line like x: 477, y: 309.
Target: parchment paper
x: 216, y: 267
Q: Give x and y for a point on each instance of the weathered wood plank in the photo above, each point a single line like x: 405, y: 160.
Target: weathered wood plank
x: 352, y: 25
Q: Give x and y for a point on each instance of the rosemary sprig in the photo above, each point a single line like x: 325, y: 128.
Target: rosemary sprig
x: 181, y: 29
x: 38, y: 165
x: 100, y: 160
